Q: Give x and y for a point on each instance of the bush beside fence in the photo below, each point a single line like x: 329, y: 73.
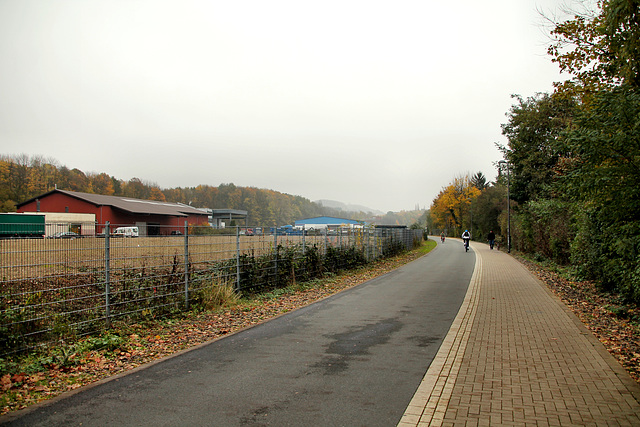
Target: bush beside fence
x: 52, y: 289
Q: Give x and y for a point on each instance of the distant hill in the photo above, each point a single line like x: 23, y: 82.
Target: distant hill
x: 334, y: 204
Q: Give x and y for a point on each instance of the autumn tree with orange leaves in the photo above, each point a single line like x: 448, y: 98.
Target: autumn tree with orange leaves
x: 451, y: 210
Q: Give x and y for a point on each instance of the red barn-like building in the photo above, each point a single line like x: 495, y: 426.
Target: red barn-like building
x: 152, y: 217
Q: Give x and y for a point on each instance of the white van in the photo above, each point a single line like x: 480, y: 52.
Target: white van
x: 126, y: 232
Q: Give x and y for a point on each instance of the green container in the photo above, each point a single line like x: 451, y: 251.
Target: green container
x: 19, y: 225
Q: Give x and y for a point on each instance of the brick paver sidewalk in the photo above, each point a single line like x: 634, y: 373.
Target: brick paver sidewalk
x: 516, y: 355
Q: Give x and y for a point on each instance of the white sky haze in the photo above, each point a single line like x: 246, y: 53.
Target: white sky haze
x: 376, y: 103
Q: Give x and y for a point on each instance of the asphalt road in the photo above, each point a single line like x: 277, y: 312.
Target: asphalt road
x: 354, y: 359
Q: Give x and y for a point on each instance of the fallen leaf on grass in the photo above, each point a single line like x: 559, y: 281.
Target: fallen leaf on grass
x: 5, y: 381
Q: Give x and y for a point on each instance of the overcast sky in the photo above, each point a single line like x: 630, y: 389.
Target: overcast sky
x: 378, y: 103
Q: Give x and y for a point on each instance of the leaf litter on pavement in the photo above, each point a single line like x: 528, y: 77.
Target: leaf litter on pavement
x: 614, y: 322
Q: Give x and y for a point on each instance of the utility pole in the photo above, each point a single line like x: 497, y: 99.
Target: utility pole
x: 504, y: 162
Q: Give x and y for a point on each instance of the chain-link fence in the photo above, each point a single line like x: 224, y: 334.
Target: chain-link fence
x: 69, y: 284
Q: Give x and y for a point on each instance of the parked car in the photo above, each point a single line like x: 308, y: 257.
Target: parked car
x: 126, y: 232
x: 64, y: 235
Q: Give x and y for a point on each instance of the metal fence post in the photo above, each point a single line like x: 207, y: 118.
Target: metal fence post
x: 275, y: 251
x: 326, y: 240
x: 365, y: 246
x: 186, y: 265
x: 374, y: 243
x: 107, y: 274
x: 238, y: 259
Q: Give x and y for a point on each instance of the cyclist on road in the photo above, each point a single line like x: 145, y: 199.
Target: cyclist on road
x: 466, y: 236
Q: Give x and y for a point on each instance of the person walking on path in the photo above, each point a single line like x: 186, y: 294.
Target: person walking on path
x: 492, y: 239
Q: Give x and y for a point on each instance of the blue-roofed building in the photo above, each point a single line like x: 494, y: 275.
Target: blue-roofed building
x: 322, y: 222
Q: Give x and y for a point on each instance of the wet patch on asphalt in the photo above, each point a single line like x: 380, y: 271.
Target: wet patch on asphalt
x: 355, y: 343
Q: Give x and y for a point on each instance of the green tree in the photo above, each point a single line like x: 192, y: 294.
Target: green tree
x: 605, y: 178
x: 602, y: 53
x: 542, y: 219
x: 487, y: 208
x: 533, y: 130
x: 606, y: 146
x: 479, y: 181
x: 600, y: 150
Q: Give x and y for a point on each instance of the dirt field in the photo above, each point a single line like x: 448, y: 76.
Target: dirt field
x: 26, y: 259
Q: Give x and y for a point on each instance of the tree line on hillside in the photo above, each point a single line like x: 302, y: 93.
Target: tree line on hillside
x: 573, y: 158
x: 23, y: 177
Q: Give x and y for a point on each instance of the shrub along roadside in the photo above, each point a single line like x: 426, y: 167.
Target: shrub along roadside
x: 29, y: 378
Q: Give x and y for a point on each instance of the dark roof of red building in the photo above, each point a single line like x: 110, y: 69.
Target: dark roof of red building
x: 127, y: 204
